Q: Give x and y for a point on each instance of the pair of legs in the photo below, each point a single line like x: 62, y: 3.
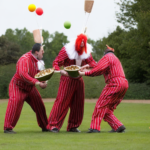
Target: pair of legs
x: 17, y: 97
x: 109, y: 99
x: 70, y: 95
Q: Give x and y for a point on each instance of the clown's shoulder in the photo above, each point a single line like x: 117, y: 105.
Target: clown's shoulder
x: 73, y: 54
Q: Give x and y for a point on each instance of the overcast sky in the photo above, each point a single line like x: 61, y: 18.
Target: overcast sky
x: 15, y: 14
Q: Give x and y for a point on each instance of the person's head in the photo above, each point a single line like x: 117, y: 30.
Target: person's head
x: 80, y: 44
x: 108, y: 49
x: 38, y: 50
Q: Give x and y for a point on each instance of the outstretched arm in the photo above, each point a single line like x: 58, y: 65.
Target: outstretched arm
x: 101, y: 67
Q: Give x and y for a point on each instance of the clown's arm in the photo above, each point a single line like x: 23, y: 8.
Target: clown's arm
x: 101, y: 67
x: 90, y: 63
x: 59, y: 61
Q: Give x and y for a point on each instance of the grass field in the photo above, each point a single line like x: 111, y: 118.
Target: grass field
x: 136, y: 118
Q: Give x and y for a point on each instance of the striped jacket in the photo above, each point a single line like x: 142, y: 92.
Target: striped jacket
x: 110, y: 66
x: 26, y: 69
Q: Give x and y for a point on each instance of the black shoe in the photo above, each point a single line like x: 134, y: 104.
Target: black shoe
x: 119, y: 130
x: 45, y: 130
x: 74, y: 130
x: 55, y: 130
x: 9, y: 131
x: 93, y: 131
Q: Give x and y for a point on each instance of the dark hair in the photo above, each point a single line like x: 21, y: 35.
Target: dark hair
x: 36, y: 47
x: 107, y: 51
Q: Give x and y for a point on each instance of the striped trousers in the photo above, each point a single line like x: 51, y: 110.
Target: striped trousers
x: 109, y: 99
x: 17, y: 97
x: 70, y: 95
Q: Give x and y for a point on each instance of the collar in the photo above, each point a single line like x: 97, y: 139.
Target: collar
x: 73, y: 54
x: 108, y: 52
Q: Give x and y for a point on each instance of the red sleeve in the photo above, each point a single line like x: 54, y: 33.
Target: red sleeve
x: 59, y: 60
x: 101, y: 67
x: 91, y: 61
x: 23, y: 67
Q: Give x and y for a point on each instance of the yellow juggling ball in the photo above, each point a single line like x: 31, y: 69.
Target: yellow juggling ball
x: 31, y: 7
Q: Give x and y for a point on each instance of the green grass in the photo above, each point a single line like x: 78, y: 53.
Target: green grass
x: 29, y: 136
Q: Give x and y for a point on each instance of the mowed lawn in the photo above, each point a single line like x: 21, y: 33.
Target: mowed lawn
x: 136, y: 118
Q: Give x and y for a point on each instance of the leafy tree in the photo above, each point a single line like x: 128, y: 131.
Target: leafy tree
x: 52, y: 48
x: 46, y: 36
x: 25, y: 39
x: 97, y: 51
x: 135, y: 16
x: 53, y: 42
x: 9, y: 51
x: 22, y: 37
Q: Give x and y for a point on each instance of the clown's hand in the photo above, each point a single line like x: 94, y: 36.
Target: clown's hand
x: 83, y: 68
x: 64, y: 73
x: 81, y: 73
x: 43, y: 85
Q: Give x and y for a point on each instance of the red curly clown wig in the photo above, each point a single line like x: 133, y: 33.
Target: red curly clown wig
x: 78, y: 47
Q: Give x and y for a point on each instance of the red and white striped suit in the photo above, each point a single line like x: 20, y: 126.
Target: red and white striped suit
x: 70, y: 94
x: 22, y: 88
x: 113, y: 92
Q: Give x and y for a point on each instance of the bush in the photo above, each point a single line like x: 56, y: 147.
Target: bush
x: 93, y: 86
x: 6, y: 73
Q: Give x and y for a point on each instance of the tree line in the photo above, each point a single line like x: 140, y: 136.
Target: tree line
x: 131, y: 43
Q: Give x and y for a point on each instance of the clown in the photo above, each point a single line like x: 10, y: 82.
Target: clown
x: 71, y: 90
x: 112, y: 94
x: 22, y: 88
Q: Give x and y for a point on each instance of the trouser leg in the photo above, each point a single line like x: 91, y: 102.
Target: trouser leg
x: 115, y: 101
x: 14, y: 107
x: 77, y: 106
x: 36, y: 103
x: 62, y: 103
x: 97, y: 117
x: 108, y: 101
x: 112, y: 120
